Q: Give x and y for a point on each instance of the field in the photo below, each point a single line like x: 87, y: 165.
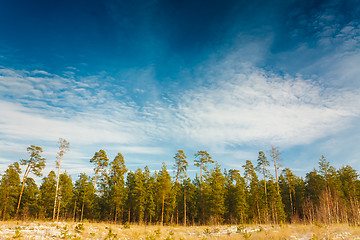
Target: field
x: 71, y: 230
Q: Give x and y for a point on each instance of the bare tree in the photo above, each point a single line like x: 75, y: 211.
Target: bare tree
x: 63, y: 148
x: 275, y: 155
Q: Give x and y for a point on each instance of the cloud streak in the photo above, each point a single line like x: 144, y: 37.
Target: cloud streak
x: 263, y: 107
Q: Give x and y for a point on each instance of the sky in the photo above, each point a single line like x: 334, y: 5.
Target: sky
x: 147, y: 78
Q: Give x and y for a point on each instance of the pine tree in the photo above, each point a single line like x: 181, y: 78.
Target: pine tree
x: 275, y: 155
x: 287, y: 182
x: 163, y: 183
x: 117, y: 172
x: 83, y: 196
x: 216, y: 194
x: 349, y: 181
x: 47, y: 192
x: 202, y: 158
x: 180, y: 167
x: 262, y: 163
x: 101, y: 161
x: 236, y: 205
x: 30, y: 203
x: 33, y: 165
x: 9, y: 190
x: 149, y: 196
x: 66, y: 195
x: 254, y: 199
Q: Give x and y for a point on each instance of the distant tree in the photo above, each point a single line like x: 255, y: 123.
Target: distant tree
x: 275, y: 203
x: 216, y: 194
x: 47, y: 192
x: 163, y: 182
x: 9, y: 190
x: 202, y: 158
x: 235, y: 201
x: 275, y: 155
x: 254, y: 199
x: 101, y: 161
x: 83, y: 196
x: 66, y: 196
x: 288, y: 184
x: 33, y: 165
x: 180, y: 167
x: 30, y: 203
x: 117, y: 184
x: 149, y: 195
x: 349, y: 181
x: 261, y: 167
x: 63, y: 148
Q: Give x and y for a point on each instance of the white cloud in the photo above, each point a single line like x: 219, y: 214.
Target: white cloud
x: 261, y: 107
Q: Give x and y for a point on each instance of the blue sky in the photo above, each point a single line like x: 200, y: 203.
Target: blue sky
x: 147, y: 78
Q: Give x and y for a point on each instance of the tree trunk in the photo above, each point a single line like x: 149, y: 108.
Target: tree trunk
x: 21, y: 192
x: 82, y: 208
x: 162, y: 208
x: 276, y: 176
x: 185, y: 207
x: 95, y: 179
x: 57, y: 189
x: 5, y: 204
x: 58, y: 211
x: 74, y: 211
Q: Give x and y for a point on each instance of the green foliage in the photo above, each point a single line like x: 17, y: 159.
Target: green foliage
x: 157, y: 232
x: 65, y: 233
x: 79, y: 228
x: 207, y: 231
x: 9, y: 190
x: 111, y: 235
x: 314, y: 237
x: 18, y: 234
x: 246, y: 234
x: 126, y: 225
x: 216, y: 196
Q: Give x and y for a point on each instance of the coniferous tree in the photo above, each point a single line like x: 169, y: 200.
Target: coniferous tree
x: 30, y: 203
x: 275, y: 155
x: 236, y: 205
x: 180, y: 167
x: 47, y: 192
x: 275, y: 203
x: 150, y: 206
x: 84, y: 198
x: 9, y: 190
x: 287, y: 185
x: 261, y: 167
x: 216, y: 194
x: 66, y: 196
x: 33, y: 165
x: 202, y: 158
x: 117, y: 185
x: 163, y: 182
x: 349, y: 181
x: 254, y: 196
x: 101, y: 161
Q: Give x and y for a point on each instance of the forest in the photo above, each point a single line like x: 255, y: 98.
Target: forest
x: 214, y: 196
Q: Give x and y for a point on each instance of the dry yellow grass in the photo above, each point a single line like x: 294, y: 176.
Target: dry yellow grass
x: 73, y: 230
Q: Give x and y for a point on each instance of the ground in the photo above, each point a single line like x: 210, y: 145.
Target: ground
x: 73, y: 230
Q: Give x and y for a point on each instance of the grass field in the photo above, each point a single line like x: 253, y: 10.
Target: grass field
x: 71, y: 230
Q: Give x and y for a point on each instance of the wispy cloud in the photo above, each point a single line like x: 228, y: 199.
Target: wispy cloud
x: 264, y: 107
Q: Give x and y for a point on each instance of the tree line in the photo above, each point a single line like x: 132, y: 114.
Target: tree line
x: 213, y: 196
